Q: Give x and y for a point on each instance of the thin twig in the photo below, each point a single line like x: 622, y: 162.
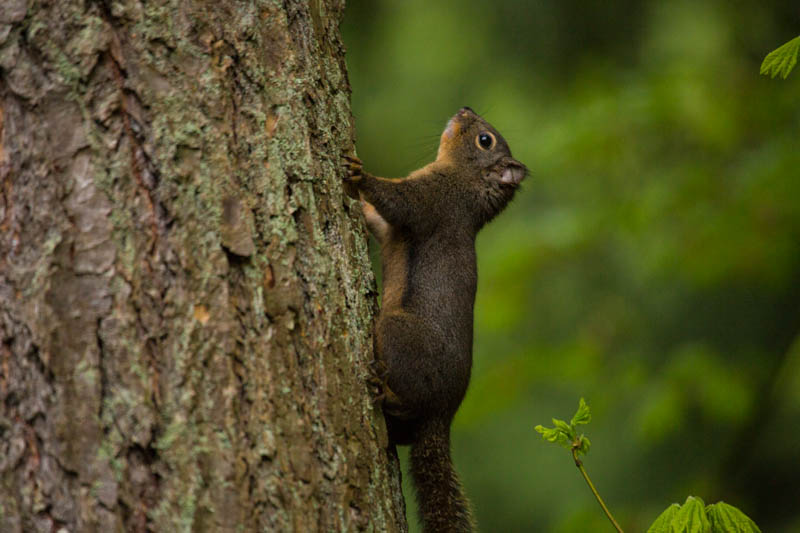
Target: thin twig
x: 579, y: 464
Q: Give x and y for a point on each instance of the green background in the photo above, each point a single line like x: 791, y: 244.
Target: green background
x: 650, y: 263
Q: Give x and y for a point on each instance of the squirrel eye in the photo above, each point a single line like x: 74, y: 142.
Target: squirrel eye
x: 485, y: 140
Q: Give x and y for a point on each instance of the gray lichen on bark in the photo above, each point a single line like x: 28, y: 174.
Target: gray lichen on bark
x: 185, y: 295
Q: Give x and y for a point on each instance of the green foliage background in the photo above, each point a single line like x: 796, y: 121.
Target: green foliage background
x: 651, y: 262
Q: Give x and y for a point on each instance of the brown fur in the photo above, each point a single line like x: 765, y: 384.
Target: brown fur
x: 426, y: 225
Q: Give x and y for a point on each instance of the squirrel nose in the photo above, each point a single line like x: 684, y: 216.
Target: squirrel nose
x: 464, y: 110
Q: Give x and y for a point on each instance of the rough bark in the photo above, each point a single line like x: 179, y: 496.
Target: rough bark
x: 185, y: 295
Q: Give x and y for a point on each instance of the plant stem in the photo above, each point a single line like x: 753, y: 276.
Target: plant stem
x: 579, y: 464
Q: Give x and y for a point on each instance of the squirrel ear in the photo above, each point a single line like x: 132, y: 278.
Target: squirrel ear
x: 510, y: 172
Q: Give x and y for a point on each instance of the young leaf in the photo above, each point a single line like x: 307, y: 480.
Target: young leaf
x: 726, y: 518
x: 554, y: 435
x: 548, y: 434
x: 583, y: 415
x: 782, y: 60
x: 664, y: 520
x: 691, y: 517
x: 563, y: 426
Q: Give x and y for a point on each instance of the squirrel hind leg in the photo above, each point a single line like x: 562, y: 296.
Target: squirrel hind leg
x: 411, y: 351
x: 394, y: 406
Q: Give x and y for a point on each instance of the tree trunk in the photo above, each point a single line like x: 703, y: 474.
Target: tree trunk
x: 186, y: 299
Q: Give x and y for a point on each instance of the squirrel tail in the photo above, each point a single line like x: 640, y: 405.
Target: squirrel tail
x: 443, y: 507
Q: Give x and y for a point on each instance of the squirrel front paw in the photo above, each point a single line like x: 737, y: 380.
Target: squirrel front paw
x: 354, y: 168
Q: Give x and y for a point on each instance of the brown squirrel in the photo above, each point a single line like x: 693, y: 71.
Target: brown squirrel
x: 426, y: 225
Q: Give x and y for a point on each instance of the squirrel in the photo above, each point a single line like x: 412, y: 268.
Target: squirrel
x: 426, y: 226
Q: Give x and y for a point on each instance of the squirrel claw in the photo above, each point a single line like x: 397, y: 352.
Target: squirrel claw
x: 377, y: 380
x: 354, y: 167
x: 379, y: 368
x: 383, y: 395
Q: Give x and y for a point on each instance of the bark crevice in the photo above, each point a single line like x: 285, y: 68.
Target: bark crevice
x: 186, y: 299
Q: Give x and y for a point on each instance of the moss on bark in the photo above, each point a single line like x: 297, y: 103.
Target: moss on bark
x: 186, y: 299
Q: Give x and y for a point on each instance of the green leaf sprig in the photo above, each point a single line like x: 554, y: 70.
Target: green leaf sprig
x: 693, y: 516
x: 566, y: 436
x: 782, y: 60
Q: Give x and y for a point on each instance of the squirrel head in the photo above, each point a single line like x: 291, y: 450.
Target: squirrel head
x: 480, y: 153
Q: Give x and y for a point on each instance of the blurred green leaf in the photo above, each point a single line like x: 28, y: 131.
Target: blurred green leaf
x: 663, y: 524
x: 782, y: 60
x: 691, y: 517
x: 661, y: 413
x: 726, y: 518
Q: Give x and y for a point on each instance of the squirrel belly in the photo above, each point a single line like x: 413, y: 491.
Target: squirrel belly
x: 426, y: 225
